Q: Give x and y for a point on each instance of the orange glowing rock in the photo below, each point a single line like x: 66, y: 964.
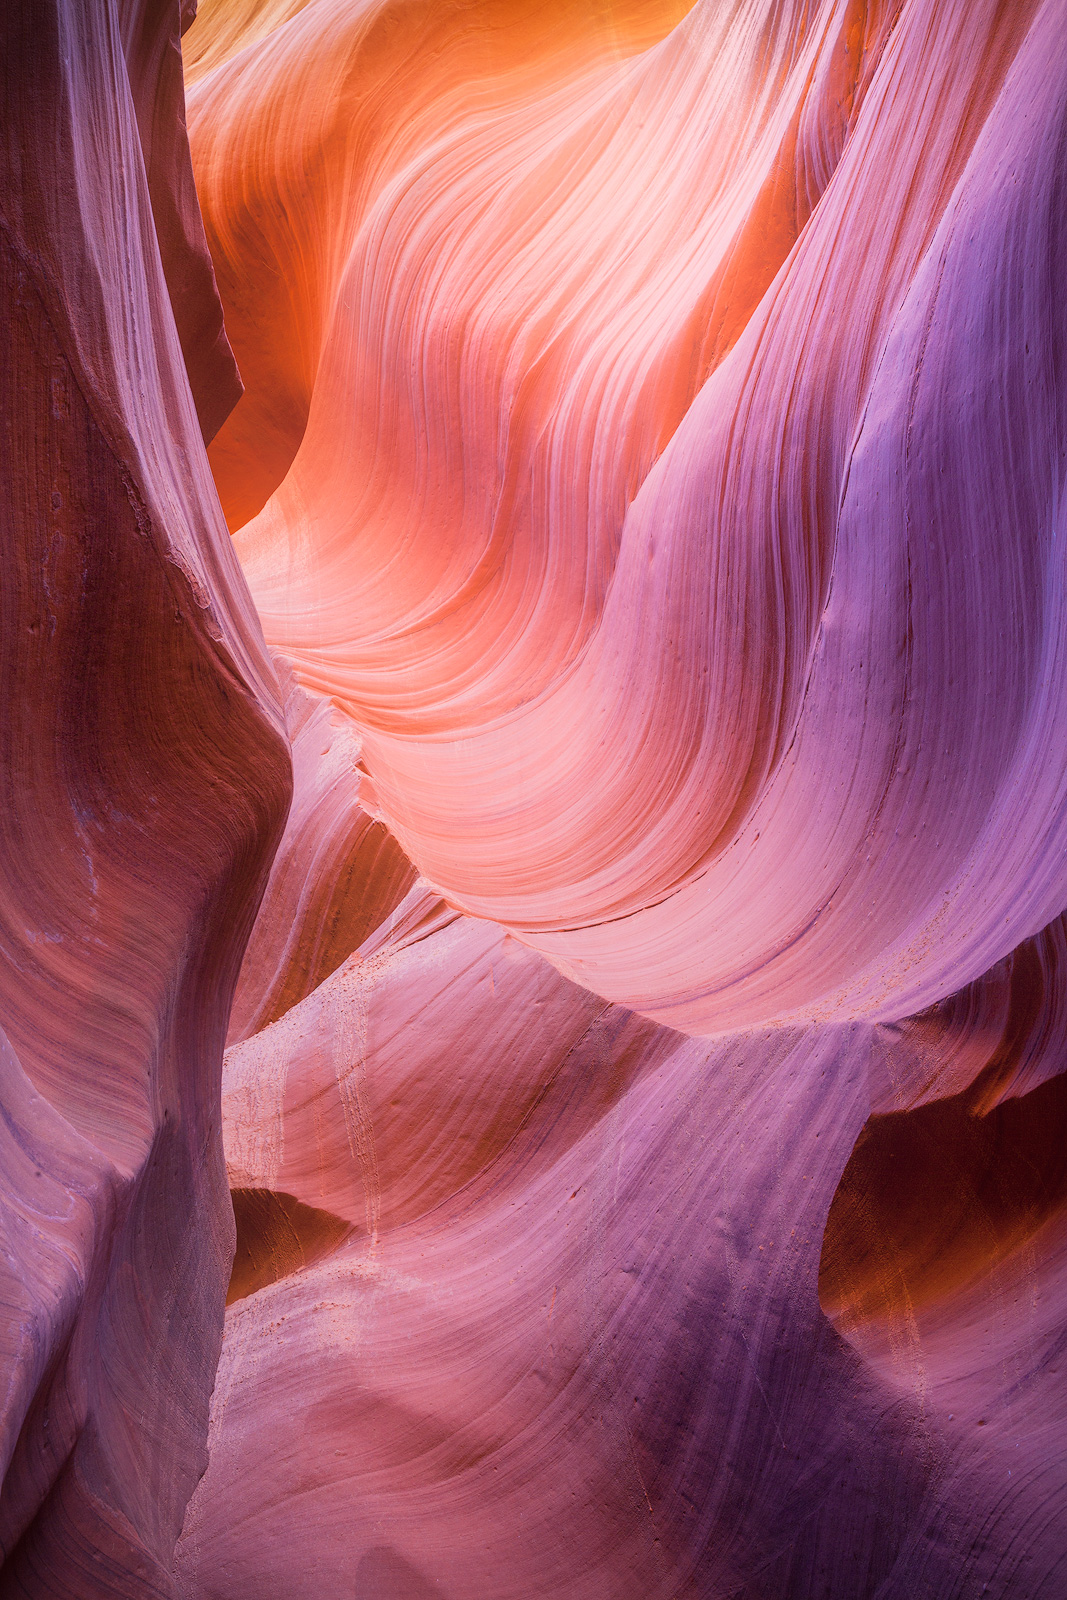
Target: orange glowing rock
x: 608, y: 799
x: 584, y: 397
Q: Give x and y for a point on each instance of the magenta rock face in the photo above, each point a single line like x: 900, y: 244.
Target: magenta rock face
x: 145, y: 782
x: 533, y: 950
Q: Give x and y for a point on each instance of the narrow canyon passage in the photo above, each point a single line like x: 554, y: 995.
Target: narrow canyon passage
x: 533, y: 724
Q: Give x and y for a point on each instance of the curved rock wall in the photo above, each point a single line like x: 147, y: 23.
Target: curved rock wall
x: 145, y: 782
x: 671, y: 486
x: 608, y: 796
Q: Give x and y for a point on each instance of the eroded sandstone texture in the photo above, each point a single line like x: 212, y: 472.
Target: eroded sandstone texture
x: 608, y: 797
x: 145, y: 782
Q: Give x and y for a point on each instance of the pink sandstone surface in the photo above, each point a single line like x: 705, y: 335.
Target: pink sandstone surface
x: 533, y: 736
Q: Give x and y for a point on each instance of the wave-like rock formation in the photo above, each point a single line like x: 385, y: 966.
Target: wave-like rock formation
x: 663, y: 467
x: 533, y: 963
x: 534, y: 1296
x: 145, y: 782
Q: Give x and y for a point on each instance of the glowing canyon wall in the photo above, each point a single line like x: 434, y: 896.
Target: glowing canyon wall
x: 534, y: 754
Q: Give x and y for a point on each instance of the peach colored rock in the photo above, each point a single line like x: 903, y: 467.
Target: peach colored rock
x: 637, y: 1170
x: 645, y: 491
x: 536, y: 1297
x: 574, y: 1341
x: 336, y: 876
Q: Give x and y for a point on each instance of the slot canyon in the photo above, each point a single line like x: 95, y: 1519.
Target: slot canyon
x: 533, y: 745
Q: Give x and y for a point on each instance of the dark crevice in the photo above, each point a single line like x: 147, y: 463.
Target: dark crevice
x: 278, y: 1235
x: 932, y: 1199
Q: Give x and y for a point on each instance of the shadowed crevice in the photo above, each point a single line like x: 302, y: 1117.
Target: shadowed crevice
x: 278, y: 1235
x: 934, y: 1198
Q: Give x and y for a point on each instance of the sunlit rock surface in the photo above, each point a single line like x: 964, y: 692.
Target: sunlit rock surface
x: 534, y: 1296
x: 659, y: 454
x: 609, y: 797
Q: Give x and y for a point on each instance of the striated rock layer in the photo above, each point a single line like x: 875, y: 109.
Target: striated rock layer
x: 608, y: 796
x: 666, y: 474
x: 145, y: 782
x: 534, y: 1296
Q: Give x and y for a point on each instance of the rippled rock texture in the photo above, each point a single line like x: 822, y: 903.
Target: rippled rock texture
x: 606, y: 790
x: 145, y: 783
